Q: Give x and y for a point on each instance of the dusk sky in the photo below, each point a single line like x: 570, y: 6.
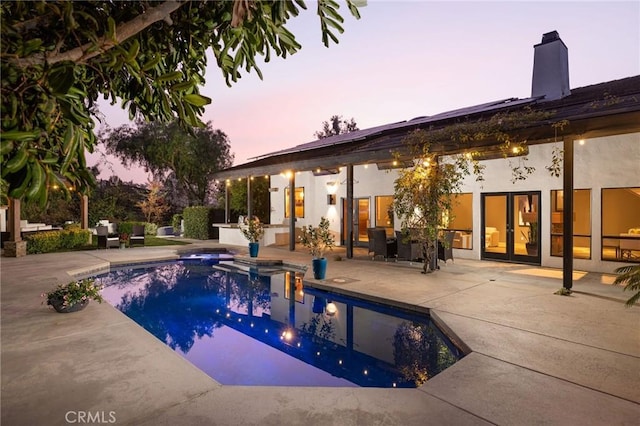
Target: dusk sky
x: 405, y: 59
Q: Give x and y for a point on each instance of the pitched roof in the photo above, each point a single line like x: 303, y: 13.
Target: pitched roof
x: 589, y: 110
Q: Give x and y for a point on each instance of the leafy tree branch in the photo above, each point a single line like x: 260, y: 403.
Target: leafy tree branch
x: 59, y: 57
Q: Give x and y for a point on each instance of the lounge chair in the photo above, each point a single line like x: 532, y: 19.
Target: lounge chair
x: 137, y: 236
x: 106, y: 240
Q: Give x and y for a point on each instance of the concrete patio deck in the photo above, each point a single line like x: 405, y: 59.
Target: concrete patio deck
x: 537, y: 358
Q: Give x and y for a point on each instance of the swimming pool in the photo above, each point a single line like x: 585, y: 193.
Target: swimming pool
x: 263, y: 326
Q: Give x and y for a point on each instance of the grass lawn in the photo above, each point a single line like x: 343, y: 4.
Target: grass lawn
x: 155, y: 241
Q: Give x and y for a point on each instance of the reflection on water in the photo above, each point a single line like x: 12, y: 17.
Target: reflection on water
x: 264, y: 327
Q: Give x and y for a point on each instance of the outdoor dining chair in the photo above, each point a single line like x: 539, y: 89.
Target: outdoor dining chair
x: 137, y: 236
x: 445, y: 247
x: 407, y: 249
x: 383, y: 246
x: 106, y: 240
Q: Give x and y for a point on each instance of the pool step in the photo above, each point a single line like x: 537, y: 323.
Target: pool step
x: 257, y: 261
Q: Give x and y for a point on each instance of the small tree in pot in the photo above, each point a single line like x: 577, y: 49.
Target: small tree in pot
x: 252, y: 230
x: 318, y: 240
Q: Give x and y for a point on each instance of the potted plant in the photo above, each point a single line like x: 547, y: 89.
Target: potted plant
x: 124, y: 239
x: 252, y: 229
x: 531, y: 238
x: 73, y: 296
x: 318, y: 241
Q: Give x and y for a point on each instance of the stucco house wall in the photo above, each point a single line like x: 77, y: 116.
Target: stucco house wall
x: 605, y: 162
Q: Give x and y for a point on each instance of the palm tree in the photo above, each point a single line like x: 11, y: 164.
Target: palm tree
x: 631, y: 276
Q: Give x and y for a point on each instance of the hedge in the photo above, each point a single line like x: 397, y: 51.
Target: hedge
x: 50, y: 241
x: 196, y: 222
x: 127, y: 227
x: 176, y: 222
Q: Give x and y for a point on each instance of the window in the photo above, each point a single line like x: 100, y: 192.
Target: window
x: 299, y: 200
x: 581, y: 223
x: 460, y: 220
x: 621, y: 224
x: 384, y: 214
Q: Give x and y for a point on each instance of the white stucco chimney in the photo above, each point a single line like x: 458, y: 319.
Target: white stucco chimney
x: 550, y: 68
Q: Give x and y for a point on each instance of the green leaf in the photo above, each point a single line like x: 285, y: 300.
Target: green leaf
x: 170, y: 76
x: 111, y: 32
x: 335, y: 25
x: 197, y: 100
x: 61, y: 79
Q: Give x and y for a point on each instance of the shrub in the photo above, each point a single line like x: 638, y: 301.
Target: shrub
x: 150, y: 228
x: 176, y: 222
x: 50, y: 241
x: 196, y: 222
x: 43, y: 242
x: 127, y: 227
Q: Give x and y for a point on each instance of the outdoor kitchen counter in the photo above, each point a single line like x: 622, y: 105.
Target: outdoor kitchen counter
x: 273, y: 234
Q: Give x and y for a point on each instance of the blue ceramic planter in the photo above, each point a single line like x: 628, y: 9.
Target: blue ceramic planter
x: 253, y: 249
x: 319, y: 268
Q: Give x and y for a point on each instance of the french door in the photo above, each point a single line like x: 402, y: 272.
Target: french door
x: 510, y: 228
x: 361, y: 221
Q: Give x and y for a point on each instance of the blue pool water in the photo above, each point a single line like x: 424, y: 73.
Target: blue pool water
x: 245, y: 326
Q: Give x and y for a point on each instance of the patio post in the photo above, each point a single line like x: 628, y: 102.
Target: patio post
x: 84, y: 211
x: 227, y: 202
x: 567, y: 214
x: 249, y: 200
x: 349, y: 236
x: 292, y: 211
x: 15, y: 247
